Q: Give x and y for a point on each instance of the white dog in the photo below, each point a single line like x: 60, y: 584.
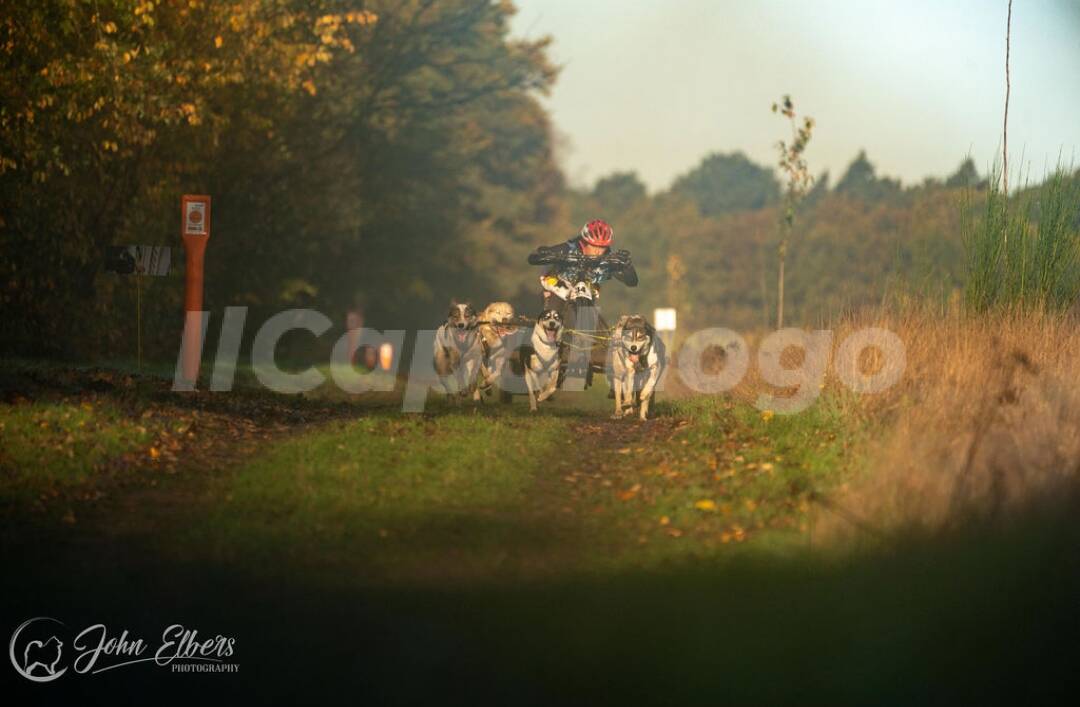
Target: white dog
x: 458, y: 352
x: 637, y: 362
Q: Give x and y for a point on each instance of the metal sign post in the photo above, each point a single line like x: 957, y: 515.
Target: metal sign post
x: 140, y: 260
x: 195, y: 232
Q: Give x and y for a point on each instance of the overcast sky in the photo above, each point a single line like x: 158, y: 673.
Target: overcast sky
x: 654, y: 86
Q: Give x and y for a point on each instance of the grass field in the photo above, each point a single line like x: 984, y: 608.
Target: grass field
x: 715, y: 553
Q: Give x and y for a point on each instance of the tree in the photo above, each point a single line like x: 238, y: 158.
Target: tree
x: 965, y: 176
x: 723, y: 183
x: 387, y: 151
x: 618, y: 191
x: 112, y: 108
x: 798, y: 181
x: 861, y: 181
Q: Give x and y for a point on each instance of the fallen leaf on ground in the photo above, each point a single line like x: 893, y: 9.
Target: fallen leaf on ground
x: 705, y: 504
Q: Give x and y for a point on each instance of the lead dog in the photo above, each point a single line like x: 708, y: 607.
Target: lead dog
x: 458, y: 351
x: 540, y: 357
x: 637, y: 361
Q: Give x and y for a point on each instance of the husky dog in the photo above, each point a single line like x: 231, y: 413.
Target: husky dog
x: 637, y: 361
x: 540, y: 357
x: 495, y: 323
x: 458, y: 351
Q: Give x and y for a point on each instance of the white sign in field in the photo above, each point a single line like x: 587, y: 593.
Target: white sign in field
x: 664, y: 318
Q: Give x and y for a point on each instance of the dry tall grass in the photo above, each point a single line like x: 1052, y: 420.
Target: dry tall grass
x: 985, y: 419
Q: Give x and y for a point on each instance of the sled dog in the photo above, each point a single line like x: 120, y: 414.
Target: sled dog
x: 637, y: 361
x: 458, y: 352
x: 540, y: 357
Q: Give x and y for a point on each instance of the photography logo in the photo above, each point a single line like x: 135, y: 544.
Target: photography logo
x: 43, y: 649
x: 36, y: 649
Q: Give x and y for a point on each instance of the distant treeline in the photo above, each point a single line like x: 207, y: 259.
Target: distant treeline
x: 707, y: 245
x: 381, y: 156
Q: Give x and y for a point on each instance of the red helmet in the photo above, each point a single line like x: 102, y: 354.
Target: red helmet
x: 597, y: 233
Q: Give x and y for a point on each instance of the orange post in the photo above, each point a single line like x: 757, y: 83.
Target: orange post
x: 195, y: 232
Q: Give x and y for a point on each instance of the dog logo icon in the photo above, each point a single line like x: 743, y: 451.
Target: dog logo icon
x: 39, y: 657
x: 42, y: 655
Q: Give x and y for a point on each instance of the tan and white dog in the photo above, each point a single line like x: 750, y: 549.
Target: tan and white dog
x: 637, y: 362
x: 540, y: 357
x: 494, y: 325
x: 458, y: 352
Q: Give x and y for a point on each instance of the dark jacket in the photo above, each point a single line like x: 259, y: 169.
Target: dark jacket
x: 570, y: 263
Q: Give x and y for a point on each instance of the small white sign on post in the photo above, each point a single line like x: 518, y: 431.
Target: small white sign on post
x: 195, y: 218
x: 664, y: 318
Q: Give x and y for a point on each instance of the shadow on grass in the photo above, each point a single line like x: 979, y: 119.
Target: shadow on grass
x: 985, y: 614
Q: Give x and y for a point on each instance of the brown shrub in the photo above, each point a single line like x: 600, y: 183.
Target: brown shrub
x: 986, y: 417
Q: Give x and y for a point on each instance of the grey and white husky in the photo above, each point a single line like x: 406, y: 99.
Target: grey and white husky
x: 540, y: 357
x: 458, y: 352
x: 637, y: 362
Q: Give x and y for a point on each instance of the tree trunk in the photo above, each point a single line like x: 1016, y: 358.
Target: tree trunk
x: 780, y: 295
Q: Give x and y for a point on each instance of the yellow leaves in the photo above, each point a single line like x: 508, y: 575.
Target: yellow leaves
x: 109, y: 146
x: 767, y: 415
x: 328, y: 28
x: 664, y: 520
x: 309, y: 86
x: 706, y: 504
x: 751, y: 504
x: 109, y: 27
x: 630, y: 492
x: 155, y: 453
x: 362, y: 17
x: 190, y: 111
x: 218, y: 41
